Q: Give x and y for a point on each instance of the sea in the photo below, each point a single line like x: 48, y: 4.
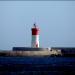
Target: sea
x: 37, y: 65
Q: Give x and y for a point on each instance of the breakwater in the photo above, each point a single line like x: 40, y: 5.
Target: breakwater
x: 30, y: 53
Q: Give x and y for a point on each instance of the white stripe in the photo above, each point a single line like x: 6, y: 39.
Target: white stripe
x: 35, y: 40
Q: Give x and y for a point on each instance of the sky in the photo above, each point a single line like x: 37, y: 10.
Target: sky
x: 56, y: 20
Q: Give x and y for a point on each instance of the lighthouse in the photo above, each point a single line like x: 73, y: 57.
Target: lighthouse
x: 35, y: 37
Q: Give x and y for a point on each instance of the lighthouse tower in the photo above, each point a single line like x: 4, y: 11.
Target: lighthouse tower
x: 35, y: 37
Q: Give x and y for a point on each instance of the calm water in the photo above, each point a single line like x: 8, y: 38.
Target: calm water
x: 37, y: 65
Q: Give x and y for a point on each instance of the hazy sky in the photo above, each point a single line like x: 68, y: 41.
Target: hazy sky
x: 56, y: 20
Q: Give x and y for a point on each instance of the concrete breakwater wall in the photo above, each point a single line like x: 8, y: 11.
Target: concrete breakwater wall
x: 54, y: 51
x: 29, y: 53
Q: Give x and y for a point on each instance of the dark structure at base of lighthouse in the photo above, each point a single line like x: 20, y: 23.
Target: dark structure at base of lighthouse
x: 28, y: 49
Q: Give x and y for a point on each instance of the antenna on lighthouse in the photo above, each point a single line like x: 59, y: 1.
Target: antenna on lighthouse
x: 35, y: 25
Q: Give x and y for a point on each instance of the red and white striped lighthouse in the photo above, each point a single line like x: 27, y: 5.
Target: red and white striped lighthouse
x: 35, y: 37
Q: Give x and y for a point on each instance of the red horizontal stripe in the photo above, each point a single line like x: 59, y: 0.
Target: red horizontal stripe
x: 35, y: 31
